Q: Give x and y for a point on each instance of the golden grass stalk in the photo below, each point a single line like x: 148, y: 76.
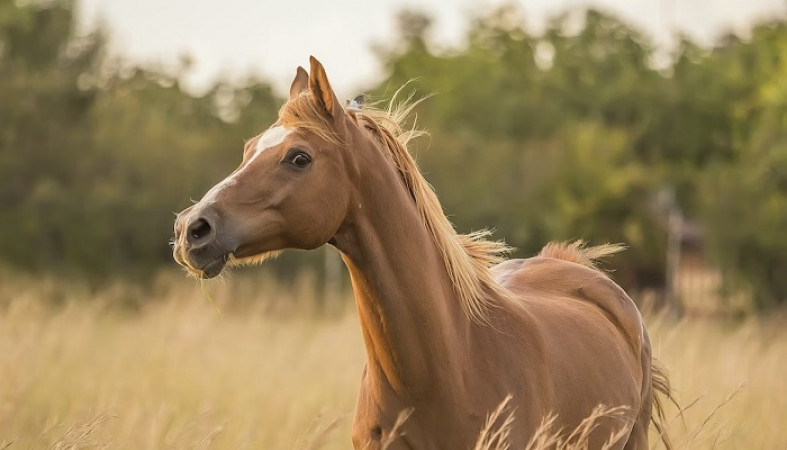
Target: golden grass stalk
x: 549, y: 437
x: 79, y: 435
x: 166, y: 372
x: 209, y: 297
x: 497, y: 430
x: 317, y: 436
x: 396, y: 430
x: 493, y: 436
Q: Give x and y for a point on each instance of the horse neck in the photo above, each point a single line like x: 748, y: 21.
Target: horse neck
x: 414, y: 329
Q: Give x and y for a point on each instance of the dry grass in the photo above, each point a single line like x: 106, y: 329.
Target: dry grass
x: 175, y: 374
x: 729, y: 377
x: 496, y: 430
x: 270, y: 374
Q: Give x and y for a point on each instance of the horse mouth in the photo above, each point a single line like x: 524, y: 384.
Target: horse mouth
x: 213, y: 268
x: 205, y: 271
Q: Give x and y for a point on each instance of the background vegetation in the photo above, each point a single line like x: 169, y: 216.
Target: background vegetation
x: 273, y: 372
x: 573, y: 132
x: 555, y: 135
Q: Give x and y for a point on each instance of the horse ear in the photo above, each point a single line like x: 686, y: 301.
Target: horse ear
x: 300, y: 83
x: 321, y: 89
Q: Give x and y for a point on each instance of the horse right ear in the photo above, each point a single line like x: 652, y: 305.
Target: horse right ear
x: 322, y: 91
x: 300, y: 83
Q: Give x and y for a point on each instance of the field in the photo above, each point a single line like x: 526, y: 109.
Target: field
x: 157, y: 367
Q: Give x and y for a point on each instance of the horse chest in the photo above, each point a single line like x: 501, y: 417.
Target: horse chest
x: 384, y: 420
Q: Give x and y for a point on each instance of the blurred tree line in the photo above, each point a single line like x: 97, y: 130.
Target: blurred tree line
x: 95, y: 155
x: 574, y: 134
x: 563, y: 134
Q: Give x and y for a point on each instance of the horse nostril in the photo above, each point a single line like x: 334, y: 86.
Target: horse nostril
x: 198, y: 230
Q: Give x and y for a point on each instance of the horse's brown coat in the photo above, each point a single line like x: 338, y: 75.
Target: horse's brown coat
x: 552, y: 331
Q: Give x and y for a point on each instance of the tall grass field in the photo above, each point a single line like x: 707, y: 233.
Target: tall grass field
x: 160, y: 367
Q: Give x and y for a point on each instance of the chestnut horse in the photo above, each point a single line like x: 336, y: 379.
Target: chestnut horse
x: 450, y: 331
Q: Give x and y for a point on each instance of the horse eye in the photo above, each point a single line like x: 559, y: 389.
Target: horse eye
x: 299, y: 159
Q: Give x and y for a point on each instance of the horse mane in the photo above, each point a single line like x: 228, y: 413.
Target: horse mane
x: 467, y: 257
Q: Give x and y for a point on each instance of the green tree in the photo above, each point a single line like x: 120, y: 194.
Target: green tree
x: 544, y: 131
x: 744, y: 198
x: 95, y: 157
x: 43, y: 117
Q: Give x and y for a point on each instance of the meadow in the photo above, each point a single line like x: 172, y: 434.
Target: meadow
x: 158, y: 367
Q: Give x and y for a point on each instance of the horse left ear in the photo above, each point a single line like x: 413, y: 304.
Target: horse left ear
x: 300, y: 83
x: 321, y: 89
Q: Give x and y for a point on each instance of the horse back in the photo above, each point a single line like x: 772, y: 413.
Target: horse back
x: 547, y: 280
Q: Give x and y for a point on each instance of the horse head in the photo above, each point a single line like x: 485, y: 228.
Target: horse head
x: 291, y: 190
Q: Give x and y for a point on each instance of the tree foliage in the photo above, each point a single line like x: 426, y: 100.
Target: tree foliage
x: 573, y: 133
x: 95, y: 156
x: 568, y: 133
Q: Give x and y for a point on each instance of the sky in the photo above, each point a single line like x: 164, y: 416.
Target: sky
x: 234, y: 39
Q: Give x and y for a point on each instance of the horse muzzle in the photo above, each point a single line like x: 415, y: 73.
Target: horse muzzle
x: 197, y: 245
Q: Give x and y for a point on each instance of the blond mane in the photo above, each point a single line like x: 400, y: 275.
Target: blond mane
x: 467, y: 257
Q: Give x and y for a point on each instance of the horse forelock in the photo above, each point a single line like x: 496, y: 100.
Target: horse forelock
x: 302, y: 111
x: 467, y: 257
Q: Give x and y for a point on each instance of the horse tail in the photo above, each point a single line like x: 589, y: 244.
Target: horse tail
x: 578, y: 252
x: 662, y: 392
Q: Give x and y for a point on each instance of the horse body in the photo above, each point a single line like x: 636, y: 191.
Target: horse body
x: 558, y: 354
x: 447, y: 336
x: 596, y: 348
x: 555, y: 352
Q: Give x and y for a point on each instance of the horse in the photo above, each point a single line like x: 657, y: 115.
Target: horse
x: 450, y: 329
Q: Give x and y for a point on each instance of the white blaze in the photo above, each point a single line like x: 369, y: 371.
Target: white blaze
x: 271, y: 138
